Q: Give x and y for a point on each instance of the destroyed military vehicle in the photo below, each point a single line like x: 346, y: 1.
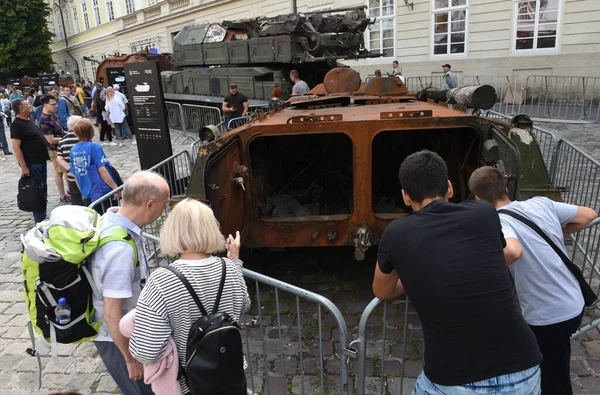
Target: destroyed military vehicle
x: 322, y: 170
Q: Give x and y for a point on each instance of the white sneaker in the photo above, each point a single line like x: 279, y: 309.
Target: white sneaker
x: 120, y: 144
x: 134, y: 142
x: 104, y: 143
x: 112, y: 144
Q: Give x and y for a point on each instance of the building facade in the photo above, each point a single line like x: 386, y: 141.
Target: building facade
x: 489, y: 37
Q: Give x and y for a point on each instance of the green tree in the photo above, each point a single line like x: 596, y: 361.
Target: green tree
x: 24, y: 38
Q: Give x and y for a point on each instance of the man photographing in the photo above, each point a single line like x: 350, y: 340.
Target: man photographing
x: 448, y: 259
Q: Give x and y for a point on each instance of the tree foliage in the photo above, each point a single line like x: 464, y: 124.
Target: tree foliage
x: 24, y: 38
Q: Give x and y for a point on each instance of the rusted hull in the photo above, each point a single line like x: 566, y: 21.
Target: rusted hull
x: 118, y: 61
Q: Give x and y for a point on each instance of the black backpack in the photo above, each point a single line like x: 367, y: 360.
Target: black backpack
x: 214, y: 353
x: 31, y: 194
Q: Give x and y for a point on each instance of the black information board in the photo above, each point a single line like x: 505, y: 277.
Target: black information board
x: 116, y: 75
x: 48, y: 81
x: 149, y: 113
x: 16, y: 82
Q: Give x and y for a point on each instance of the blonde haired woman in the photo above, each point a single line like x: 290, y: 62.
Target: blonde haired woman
x: 116, y: 112
x: 165, y: 307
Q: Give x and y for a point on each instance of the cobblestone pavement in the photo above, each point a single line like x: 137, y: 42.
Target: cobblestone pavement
x: 332, y: 273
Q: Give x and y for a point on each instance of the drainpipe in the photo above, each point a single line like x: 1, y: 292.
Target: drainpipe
x: 294, y: 7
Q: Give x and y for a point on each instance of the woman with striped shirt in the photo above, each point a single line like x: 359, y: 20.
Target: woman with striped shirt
x: 165, y: 307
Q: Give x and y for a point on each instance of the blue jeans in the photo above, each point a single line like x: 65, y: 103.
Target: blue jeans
x: 526, y: 382
x: 39, y: 171
x: 122, y: 130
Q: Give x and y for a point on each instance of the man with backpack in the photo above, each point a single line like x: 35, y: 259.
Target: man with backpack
x: 118, y: 275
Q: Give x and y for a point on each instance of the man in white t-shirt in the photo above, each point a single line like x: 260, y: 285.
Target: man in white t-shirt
x: 549, y: 294
x: 125, y: 124
x: 119, y: 281
x: 300, y: 87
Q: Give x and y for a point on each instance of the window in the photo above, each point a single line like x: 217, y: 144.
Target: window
x: 449, y: 26
x: 96, y: 12
x: 129, y: 7
x: 65, y: 14
x: 61, y: 35
x: 75, y: 19
x: 381, y: 35
x: 536, y: 24
x: 152, y: 2
x: 110, y: 10
x: 84, y: 12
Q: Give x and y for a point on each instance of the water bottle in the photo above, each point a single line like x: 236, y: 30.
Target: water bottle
x: 62, y: 312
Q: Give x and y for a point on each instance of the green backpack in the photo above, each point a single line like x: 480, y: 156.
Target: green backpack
x: 55, y: 265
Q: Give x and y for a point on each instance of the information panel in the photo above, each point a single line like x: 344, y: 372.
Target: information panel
x: 48, y: 81
x: 149, y: 113
x: 116, y: 75
x: 16, y: 82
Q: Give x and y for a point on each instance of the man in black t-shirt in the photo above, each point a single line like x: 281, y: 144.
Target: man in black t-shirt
x: 235, y: 104
x: 449, y: 260
x: 30, y: 148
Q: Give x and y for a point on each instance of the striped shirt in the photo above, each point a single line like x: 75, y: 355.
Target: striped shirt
x: 165, y: 307
x: 64, y: 149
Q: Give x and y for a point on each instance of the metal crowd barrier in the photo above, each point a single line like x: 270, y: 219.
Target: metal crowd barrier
x: 576, y: 98
x: 284, y: 338
x: 195, y: 117
x: 175, y: 116
x: 414, y: 84
x: 237, y: 122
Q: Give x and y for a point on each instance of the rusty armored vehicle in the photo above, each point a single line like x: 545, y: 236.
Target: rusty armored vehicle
x: 322, y: 170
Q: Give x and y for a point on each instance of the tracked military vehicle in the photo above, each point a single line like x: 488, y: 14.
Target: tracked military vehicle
x: 322, y: 170
x: 257, y: 54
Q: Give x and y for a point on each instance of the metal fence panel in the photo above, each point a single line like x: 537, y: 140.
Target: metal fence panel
x: 237, y: 122
x: 175, y: 116
x: 418, y: 83
x: 509, y: 90
x: 196, y: 117
x: 283, y: 332
x: 395, y: 326
x: 575, y: 98
x: 579, y: 174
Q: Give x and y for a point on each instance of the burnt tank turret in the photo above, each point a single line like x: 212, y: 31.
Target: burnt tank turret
x: 257, y: 54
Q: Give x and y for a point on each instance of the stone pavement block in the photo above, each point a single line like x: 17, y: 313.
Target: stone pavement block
x: 106, y: 384
x: 64, y: 350
x: 11, y: 296
x: 594, y: 364
x: 373, y: 385
x: 4, y: 306
x: 5, y: 318
x: 86, y: 349
x: 390, y: 368
x: 17, y: 308
x: 577, y: 349
x: 591, y: 384
x: 277, y: 385
x: 412, y: 368
x: 57, y: 365
x: 84, y: 365
x: 25, y: 380
x: 10, y: 362
x: 19, y: 320
x: 394, y: 386
x: 29, y: 364
x: 5, y: 379
x: 592, y: 348
x: 312, y: 385
x: 579, y: 368
x: 56, y: 381
x: 15, y: 348
x: 84, y: 383
x: 14, y: 332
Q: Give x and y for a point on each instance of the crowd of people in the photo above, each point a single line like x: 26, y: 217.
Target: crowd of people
x: 43, y: 127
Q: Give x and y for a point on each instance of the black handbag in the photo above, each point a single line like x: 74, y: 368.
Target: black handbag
x: 30, y: 196
x: 589, y: 296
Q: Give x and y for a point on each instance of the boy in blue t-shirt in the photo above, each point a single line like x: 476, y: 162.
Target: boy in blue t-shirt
x: 89, y: 164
